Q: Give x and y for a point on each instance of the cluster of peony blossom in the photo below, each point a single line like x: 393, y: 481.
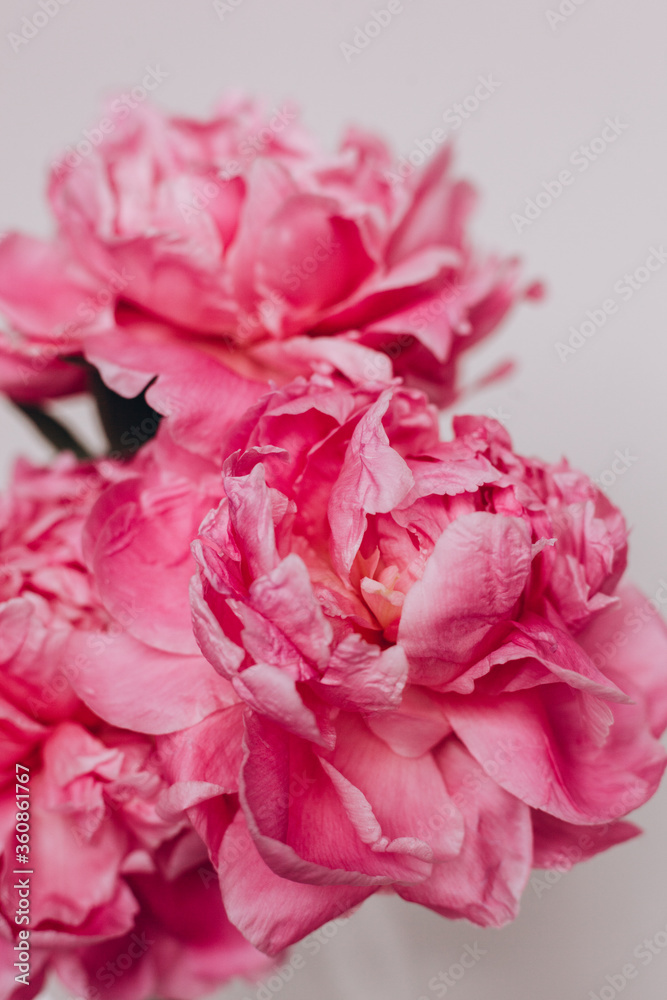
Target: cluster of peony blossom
x: 296, y: 648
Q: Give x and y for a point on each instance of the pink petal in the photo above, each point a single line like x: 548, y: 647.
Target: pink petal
x: 139, y: 550
x: 563, y: 751
x: 311, y: 254
x: 134, y: 686
x: 561, y: 845
x: 536, y: 652
x: 202, y: 761
x: 270, y: 911
x: 403, y: 792
x: 362, y: 677
x: 43, y: 292
x: 437, y: 212
x: 307, y: 829
x: 415, y: 727
x: 188, y: 387
x: 285, y: 598
x: 629, y: 644
x: 484, y: 883
x: 251, y: 515
x: 325, y: 355
x: 472, y: 581
x: 29, y: 373
x: 273, y: 694
x: 223, y: 654
x: 374, y: 478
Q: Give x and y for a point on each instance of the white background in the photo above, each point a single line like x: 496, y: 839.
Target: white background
x: 557, y: 87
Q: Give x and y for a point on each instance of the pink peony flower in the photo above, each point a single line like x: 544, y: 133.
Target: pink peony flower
x: 239, y: 243
x: 414, y: 684
x: 411, y: 626
x: 182, y: 944
x: 45, y: 591
x: 118, y: 895
x: 106, y: 868
x: 92, y: 822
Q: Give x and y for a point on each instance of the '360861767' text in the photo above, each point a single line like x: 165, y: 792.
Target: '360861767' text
x: 23, y: 869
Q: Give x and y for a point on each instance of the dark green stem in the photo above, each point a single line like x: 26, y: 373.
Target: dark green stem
x: 123, y: 419
x: 55, y: 433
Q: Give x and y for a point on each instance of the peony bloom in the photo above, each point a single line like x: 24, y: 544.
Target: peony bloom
x: 107, y: 869
x: 181, y: 944
x: 410, y: 627
x: 118, y: 895
x: 236, y: 245
x: 46, y: 593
